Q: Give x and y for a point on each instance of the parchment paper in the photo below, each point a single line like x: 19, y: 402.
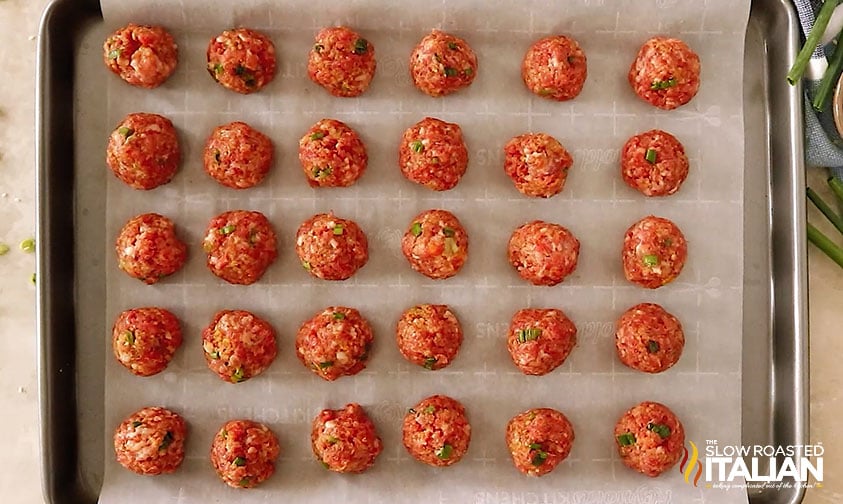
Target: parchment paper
x: 592, y: 388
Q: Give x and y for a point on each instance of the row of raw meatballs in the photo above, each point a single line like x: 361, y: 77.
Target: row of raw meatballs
x: 337, y: 341
x: 143, y: 152
x: 241, y: 245
x: 649, y: 439
x: 665, y: 73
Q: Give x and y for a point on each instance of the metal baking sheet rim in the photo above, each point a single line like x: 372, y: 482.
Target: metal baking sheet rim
x: 775, y: 358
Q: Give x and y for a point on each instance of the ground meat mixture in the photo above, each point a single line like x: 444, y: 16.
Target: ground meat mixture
x: 332, y: 154
x: 537, y: 164
x: 143, y: 56
x: 243, y: 453
x: 238, y: 345
x: 654, y: 252
x: 144, y: 340
x: 666, y: 73
x: 148, y: 248
x: 433, y: 154
x: 242, y: 60
x: 341, y: 61
x: 331, y: 248
x: 442, y: 64
x: 240, y: 245
x: 436, y: 244
x: 151, y: 441
x: 345, y: 440
x: 436, y: 431
x: 543, y: 253
x: 335, y: 342
x: 654, y: 163
x: 237, y: 155
x: 143, y: 151
x: 429, y: 335
x: 539, y: 340
x: 648, y: 338
x: 555, y: 67
x: 649, y: 438
x: 539, y: 439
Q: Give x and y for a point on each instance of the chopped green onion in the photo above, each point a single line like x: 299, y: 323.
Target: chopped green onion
x: 326, y: 364
x: 32, y: 279
x: 416, y: 229
x: 218, y: 68
x: 451, y: 246
x: 322, y: 172
x: 114, y: 53
x: 416, y: 146
x: 571, y: 60
x: 324, y: 464
x: 129, y: 336
x: 228, y: 229
x: 214, y: 355
x: 125, y: 131
x: 244, y: 482
x: 627, y: 439
x: 238, y: 375
x: 339, y: 315
x: 650, y: 260
x: 28, y: 245
x: 448, y: 231
x: 444, y: 453
x: 661, y: 429
x: 430, y: 409
x: 453, y: 46
x: 539, y: 458
x: 318, y: 48
x: 305, y: 265
x: 136, y: 424
x: 338, y: 230
x: 811, y: 41
x: 653, y: 346
x: 317, y: 135
x: 531, y: 415
x: 332, y: 440
x: 650, y: 156
x: 430, y: 362
x: 529, y: 334
x: 468, y: 71
x: 450, y: 72
x: 361, y: 45
x: 535, y: 446
x: 239, y: 462
x: 4, y: 249
x: 167, y: 441
x: 224, y: 434
x: 659, y: 85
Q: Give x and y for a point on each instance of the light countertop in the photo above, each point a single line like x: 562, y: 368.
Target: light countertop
x: 20, y: 483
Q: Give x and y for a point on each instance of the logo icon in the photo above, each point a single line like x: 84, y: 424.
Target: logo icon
x: 688, y: 464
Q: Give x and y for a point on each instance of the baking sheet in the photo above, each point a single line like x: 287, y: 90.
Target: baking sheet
x: 592, y: 388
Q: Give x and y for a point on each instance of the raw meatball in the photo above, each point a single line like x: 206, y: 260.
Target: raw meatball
x: 331, y: 248
x: 151, y: 441
x: 654, y: 163
x: 539, y: 340
x: 654, y: 252
x: 429, y: 335
x: 145, y: 339
x: 332, y: 154
x: 240, y: 245
x: 143, y: 56
x: 345, y: 440
x: 666, y: 73
x: 237, y: 155
x: 537, y: 164
x: 436, y: 431
x: 555, y: 67
x: 148, y: 248
x: 436, y: 244
x: 543, y: 253
x: 442, y: 63
x: 539, y: 439
x: 143, y: 151
x: 335, y: 342
x: 648, y: 338
x: 433, y: 153
x: 244, y: 452
x: 341, y: 61
x: 650, y: 438
x: 238, y: 345
x: 242, y: 60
